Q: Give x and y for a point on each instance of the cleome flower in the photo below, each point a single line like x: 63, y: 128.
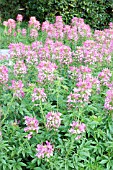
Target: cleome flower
x: 32, y: 125
x: 38, y: 94
x: 17, y: 87
x: 44, y: 150
x: 3, y: 74
x: 53, y: 120
x: 77, y: 129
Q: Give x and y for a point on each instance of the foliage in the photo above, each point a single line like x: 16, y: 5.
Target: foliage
x: 9, y: 9
x: 97, y: 13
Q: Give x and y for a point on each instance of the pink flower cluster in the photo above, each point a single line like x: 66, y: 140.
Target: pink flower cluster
x: 44, y: 150
x: 24, y: 52
x: 77, y: 29
x: 32, y: 125
x: 85, y: 84
x: 83, y: 73
x: 23, y: 32
x: 54, y: 30
x: 3, y: 74
x: 77, y: 129
x: 71, y: 32
x: 20, y: 68
x: 38, y: 94
x: 17, y: 87
x: 46, y: 71
x: 53, y: 51
x: 53, y: 120
x: 34, y: 23
x: 111, y: 25
x: 102, y: 36
x: 31, y: 57
x: 80, y: 95
x: 36, y: 45
x: 109, y: 99
x: 57, y: 51
x: 105, y: 76
x: 18, y: 51
x: 0, y: 133
x: 3, y: 57
x: 80, y: 73
x: 19, y: 17
x: 10, y: 24
x: 58, y: 30
x: 94, y: 52
x: 33, y: 33
x: 83, y: 29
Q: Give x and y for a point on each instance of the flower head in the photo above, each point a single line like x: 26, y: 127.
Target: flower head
x: 109, y: 99
x: 44, y: 150
x: 17, y: 87
x: 3, y: 74
x: 32, y: 125
x: 5, y: 23
x: 33, y: 33
x: 34, y: 23
x: 46, y: 71
x: 20, y: 68
x: 38, y: 94
x: 77, y: 129
x: 53, y: 120
x: 19, y: 17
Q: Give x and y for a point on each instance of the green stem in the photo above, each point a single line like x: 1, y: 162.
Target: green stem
x: 71, y: 145
x: 68, y: 152
x: 58, y: 85
x: 79, y: 113
x: 57, y: 100
x: 0, y: 122
x: 5, y: 116
x: 42, y: 113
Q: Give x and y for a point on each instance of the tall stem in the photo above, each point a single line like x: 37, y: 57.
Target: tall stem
x: 68, y: 152
x: 42, y: 113
x: 0, y: 122
x: 5, y: 116
x: 58, y: 85
x: 71, y: 145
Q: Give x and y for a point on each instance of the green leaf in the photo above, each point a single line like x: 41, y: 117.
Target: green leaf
x: 22, y: 164
x: 103, y: 162
x: 38, y: 168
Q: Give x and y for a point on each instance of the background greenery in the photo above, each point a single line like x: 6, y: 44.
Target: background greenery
x: 97, y: 13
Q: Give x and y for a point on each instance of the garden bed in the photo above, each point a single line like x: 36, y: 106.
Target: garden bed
x: 56, y: 103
